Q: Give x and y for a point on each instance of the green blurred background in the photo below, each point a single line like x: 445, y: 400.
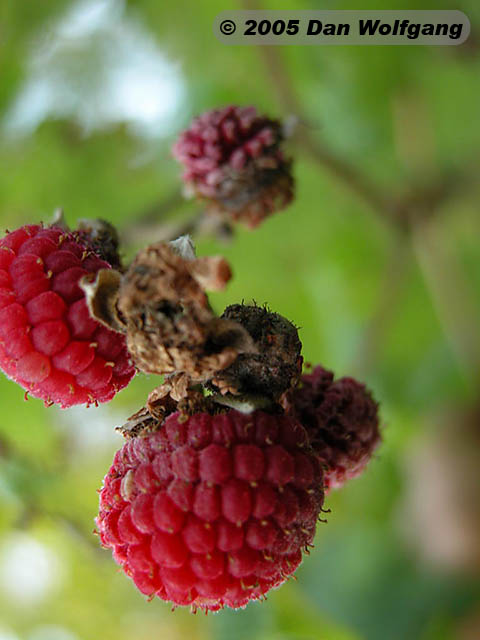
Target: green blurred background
x: 377, y: 260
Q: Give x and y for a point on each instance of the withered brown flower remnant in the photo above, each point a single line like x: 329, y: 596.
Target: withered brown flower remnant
x: 233, y: 161
x: 275, y: 365
x: 161, y: 305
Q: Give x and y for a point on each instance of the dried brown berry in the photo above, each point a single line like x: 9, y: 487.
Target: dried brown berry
x: 276, y: 364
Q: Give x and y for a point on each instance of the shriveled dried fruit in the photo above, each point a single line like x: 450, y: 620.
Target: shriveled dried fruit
x: 161, y: 305
x: 275, y: 365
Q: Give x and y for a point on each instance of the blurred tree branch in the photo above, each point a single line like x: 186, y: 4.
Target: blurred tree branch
x: 161, y: 230
x: 148, y: 231
x: 155, y: 223
x: 160, y: 208
x: 391, y: 282
x: 144, y: 219
x: 443, y: 275
x: 450, y: 295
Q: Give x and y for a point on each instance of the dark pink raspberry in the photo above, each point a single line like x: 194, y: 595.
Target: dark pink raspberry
x: 49, y: 344
x: 341, y: 419
x: 232, y: 158
x: 212, y: 511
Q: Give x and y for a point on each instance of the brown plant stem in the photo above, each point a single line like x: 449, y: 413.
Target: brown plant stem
x: 150, y: 231
x: 159, y: 209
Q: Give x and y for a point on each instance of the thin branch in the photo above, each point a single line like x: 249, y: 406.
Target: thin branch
x: 393, y: 279
x: 161, y: 230
x: 160, y: 208
x: 348, y: 174
x: 450, y: 295
x: 154, y: 216
x: 446, y: 281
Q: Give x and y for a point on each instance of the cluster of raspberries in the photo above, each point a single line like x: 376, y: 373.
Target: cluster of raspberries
x: 215, y: 496
x: 216, y: 510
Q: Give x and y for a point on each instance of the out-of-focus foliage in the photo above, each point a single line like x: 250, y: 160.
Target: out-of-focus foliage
x: 92, y: 94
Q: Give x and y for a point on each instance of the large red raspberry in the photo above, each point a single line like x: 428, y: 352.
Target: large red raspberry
x: 212, y: 511
x: 49, y: 344
x: 232, y: 158
x: 341, y: 419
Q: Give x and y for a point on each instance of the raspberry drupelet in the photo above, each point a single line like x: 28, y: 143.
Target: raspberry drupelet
x: 233, y: 160
x: 341, y: 419
x: 49, y: 344
x: 212, y: 510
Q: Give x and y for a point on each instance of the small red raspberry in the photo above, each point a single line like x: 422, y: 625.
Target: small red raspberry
x: 341, y: 419
x: 212, y: 511
x: 232, y: 158
x: 49, y: 344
